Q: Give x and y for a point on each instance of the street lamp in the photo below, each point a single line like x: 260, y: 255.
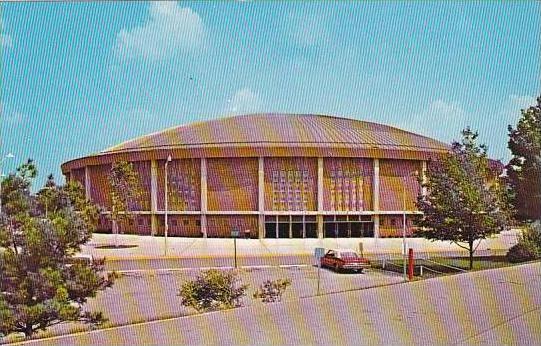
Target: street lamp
x: 166, y: 202
x: 404, y: 250
x: 8, y: 156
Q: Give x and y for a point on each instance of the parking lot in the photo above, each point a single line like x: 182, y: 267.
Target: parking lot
x: 150, y: 295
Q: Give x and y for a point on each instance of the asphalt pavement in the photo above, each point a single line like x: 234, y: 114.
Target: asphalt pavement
x: 492, y: 307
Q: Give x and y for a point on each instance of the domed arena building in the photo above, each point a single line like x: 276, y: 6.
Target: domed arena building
x: 269, y: 176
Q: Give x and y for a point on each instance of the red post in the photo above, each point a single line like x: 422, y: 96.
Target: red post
x: 411, y: 263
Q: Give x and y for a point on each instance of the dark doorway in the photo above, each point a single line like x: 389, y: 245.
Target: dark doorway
x: 311, y: 230
x: 270, y: 230
x: 343, y: 229
x: 330, y: 229
x: 283, y: 230
x: 296, y: 230
x: 356, y: 230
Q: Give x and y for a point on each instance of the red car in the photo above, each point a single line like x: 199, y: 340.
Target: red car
x: 344, y: 259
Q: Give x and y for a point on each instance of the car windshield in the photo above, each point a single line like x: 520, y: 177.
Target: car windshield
x: 349, y: 255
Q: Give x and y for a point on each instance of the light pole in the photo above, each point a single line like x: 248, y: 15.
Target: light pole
x: 404, y: 226
x: 404, y: 250
x: 8, y: 156
x: 166, y: 202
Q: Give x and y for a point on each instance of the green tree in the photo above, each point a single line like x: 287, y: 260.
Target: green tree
x: 40, y: 283
x: 466, y: 199
x: 125, y: 192
x: 524, y: 169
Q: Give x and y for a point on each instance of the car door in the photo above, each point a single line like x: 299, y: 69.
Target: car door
x: 328, y: 259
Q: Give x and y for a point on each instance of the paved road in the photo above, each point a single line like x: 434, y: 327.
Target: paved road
x: 250, y: 261
x: 500, y: 306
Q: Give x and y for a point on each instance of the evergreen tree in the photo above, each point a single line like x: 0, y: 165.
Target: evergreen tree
x: 40, y: 283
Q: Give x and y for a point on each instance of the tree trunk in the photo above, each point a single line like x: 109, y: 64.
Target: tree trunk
x: 470, y: 243
x: 115, y: 232
x: 28, y: 330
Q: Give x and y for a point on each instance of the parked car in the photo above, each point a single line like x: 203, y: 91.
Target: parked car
x: 344, y: 259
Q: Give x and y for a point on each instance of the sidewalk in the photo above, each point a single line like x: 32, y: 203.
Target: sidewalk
x: 148, y: 247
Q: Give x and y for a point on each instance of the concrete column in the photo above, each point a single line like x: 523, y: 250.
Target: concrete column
x: 375, y: 196
x: 87, y: 184
x: 204, y: 207
x: 319, y: 220
x: 153, y: 196
x: 320, y: 197
x: 261, y: 197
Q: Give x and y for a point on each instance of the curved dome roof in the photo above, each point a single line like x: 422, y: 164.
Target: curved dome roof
x: 291, y: 130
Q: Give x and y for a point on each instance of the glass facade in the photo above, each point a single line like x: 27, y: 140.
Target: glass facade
x: 348, y: 226
x: 290, y: 226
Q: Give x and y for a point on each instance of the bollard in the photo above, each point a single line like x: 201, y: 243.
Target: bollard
x: 411, y: 261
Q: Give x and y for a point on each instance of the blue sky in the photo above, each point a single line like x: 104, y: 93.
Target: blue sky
x: 78, y: 78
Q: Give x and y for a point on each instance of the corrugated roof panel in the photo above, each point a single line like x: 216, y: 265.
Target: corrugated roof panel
x: 281, y: 129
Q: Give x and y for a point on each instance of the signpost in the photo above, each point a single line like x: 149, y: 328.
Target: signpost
x: 319, y: 252
x: 235, y: 234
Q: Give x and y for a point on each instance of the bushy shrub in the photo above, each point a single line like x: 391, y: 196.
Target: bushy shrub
x: 522, y: 252
x: 271, y: 290
x: 532, y: 236
x: 213, y: 290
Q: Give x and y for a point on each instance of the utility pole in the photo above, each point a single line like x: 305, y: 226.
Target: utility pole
x: 166, y: 202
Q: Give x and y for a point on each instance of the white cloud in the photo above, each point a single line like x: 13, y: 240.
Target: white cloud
x: 511, y: 109
x: 518, y: 102
x: 168, y: 30
x: 308, y: 30
x: 14, y: 118
x: 244, y: 101
x: 5, y: 40
x: 441, y: 120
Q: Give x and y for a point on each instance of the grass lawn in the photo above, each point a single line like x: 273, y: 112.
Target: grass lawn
x: 479, y: 263
x: 437, y: 266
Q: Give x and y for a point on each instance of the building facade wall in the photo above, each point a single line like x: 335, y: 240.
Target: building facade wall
x: 394, y: 176
x: 347, y: 184
x: 391, y: 226
x: 290, y: 187
x: 100, y: 191
x: 220, y: 226
x: 142, y: 168
x: 184, y: 185
x: 290, y: 184
x: 78, y: 175
x: 180, y: 226
x: 232, y: 184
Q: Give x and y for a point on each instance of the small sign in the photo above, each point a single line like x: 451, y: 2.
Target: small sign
x: 319, y: 252
x: 235, y: 233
